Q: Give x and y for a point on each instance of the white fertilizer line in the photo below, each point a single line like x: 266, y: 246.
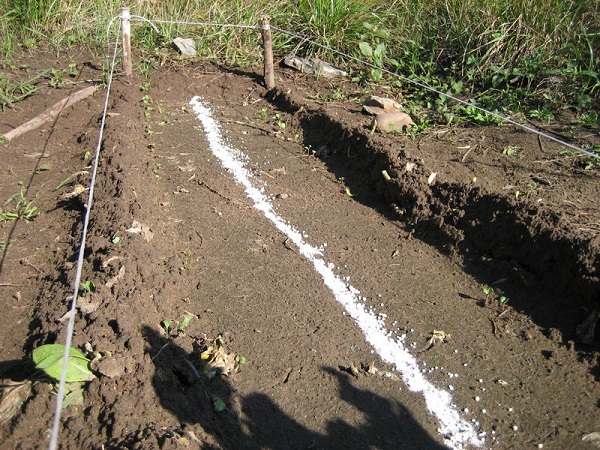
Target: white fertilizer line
x: 456, y: 431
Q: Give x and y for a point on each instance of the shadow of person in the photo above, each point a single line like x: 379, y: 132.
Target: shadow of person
x: 255, y: 421
x: 386, y: 425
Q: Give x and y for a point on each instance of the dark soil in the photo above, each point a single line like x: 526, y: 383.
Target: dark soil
x: 421, y: 253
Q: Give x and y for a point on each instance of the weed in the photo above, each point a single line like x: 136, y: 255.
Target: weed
x: 73, y: 71
x: 56, y: 79
x: 4, y: 245
x: 512, y: 150
x: 589, y: 162
x: 532, y: 190
x: 263, y: 114
x: 543, y: 115
x: 14, y: 92
x: 22, y: 209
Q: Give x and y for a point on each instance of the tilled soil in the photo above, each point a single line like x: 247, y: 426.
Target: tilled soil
x: 172, y: 235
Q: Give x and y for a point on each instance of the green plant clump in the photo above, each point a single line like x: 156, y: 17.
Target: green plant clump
x: 535, y: 57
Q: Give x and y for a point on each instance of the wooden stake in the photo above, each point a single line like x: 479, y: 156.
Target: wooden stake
x: 50, y: 113
x: 127, y: 64
x: 268, y: 52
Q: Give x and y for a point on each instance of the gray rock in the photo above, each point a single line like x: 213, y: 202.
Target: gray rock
x: 379, y: 105
x: 187, y: 47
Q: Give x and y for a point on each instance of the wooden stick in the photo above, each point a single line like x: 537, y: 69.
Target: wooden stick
x: 127, y: 64
x: 268, y: 52
x: 50, y: 113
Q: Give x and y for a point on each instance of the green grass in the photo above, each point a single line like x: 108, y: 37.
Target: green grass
x: 535, y: 56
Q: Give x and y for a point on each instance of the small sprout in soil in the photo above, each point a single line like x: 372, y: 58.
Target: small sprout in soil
x: 70, y: 178
x: 116, y: 240
x: 73, y: 72
x: 166, y: 324
x: 262, y: 115
x: 437, y: 337
x: 87, y: 286
x: 184, y: 324
x: 144, y: 87
x: 4, y: 245
x: 42, y: 168
x: 488, y: 291
x: 512, y: 150
x: 218, y: 404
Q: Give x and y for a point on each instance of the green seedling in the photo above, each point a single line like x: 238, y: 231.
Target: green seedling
x: 144, y: 87
x: 512, y: 150
x: 4, y: 245
x: 49, y: 359
x: 263, y: 114
x: 116, y: 240
x: 73, y: 72
x: 11, y: 93
x: 70, y: 178
x: 218, y: 404
x: 488, y: 291
x: 185, y: 322
x: 166, y: 325
x: 23, y: 208
x: 42, y: 168
x: 87, y: 286
x: 278, y: 121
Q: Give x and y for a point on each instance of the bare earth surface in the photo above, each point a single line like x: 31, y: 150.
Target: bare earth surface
x: 172, y: 235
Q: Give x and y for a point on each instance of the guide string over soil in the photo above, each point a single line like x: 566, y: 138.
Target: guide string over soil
x: 80, y: 257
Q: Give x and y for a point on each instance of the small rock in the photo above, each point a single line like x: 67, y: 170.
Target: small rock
x: 392, y: 121
x: 379, y: 105
x: 108, y: 366
x: 144, y: 230
x: 187, y: 47
x: 592, y: 439
x: 283, y: 196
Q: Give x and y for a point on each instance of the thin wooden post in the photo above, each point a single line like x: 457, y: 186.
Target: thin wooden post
x: 268, y: 53
x: 127, y: 64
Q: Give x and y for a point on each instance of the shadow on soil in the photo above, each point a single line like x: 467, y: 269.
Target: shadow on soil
x: 255, y: 421
x: 526, y: 253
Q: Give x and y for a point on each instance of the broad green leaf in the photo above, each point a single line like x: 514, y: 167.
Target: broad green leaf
x: 49, y: 358
x: 365, y: 48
